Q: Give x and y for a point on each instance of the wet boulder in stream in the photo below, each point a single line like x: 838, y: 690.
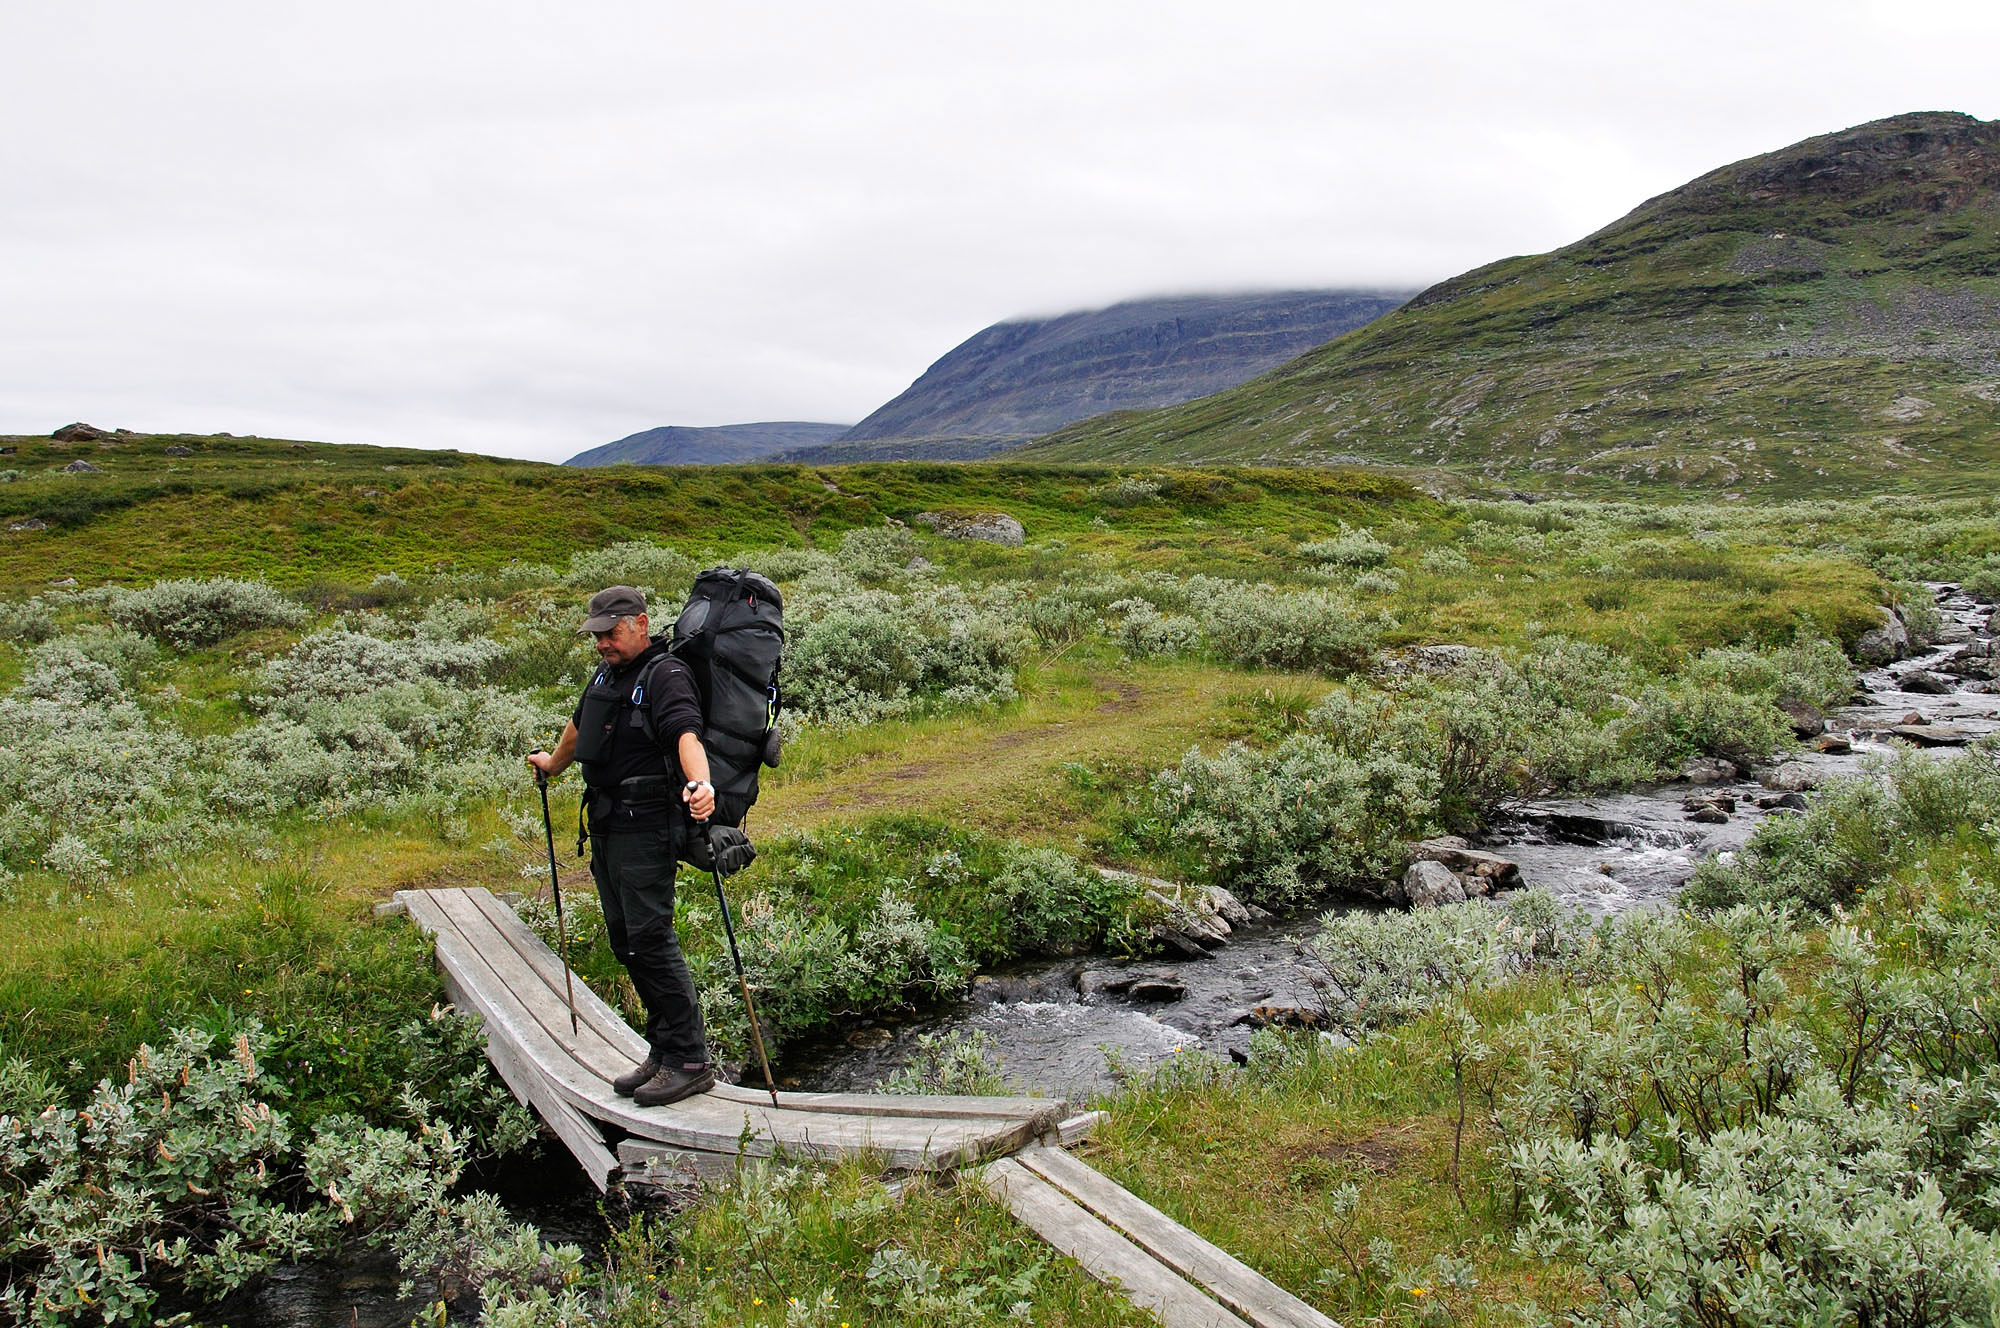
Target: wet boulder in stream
x: 1925, y: 683
x: 1807, y: 720
x: 1883, y: 644
x: 1432, y: 885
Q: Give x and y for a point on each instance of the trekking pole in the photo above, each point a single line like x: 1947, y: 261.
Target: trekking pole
x: 756, y: 1037
x: 555, y: 886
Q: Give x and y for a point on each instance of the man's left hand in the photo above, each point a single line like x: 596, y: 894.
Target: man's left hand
x: 699, y: 795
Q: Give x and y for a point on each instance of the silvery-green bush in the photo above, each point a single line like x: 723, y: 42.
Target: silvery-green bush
x: 198, y: 612
x: 1812, y: 669
x: 1348, y: 548
x: 30, y: 621
x: 874, y: 554
x: 1855, y: 832
x: 185, y: 1175
x: 84, y: 772
x: 1146, y: 633
x: 664, y: 573
x: 1260, y: 626
x: 1283, y: 826
x: 1377, y: 970
x: 854, y: 655
x: 1725, y: 1136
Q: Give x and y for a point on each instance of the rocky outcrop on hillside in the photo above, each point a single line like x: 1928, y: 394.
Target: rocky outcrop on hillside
x: 1014, y: 381
x: 678, y: 445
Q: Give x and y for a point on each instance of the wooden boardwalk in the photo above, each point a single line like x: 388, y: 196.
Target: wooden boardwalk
x: 495, y: 967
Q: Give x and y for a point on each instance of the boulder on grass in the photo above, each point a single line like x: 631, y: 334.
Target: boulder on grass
x: 991, y: 527
x: 80, y: 433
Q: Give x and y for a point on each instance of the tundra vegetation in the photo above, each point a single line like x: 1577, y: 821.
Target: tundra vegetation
x: 281, y: 682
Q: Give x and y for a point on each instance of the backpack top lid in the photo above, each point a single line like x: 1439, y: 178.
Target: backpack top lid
x: 752, y: 596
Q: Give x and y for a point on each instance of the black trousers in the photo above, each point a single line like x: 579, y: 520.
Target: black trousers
x: 634, y: 870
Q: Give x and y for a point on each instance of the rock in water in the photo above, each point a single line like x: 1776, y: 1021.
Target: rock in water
x: 1931, y: 735
x: 1432, y: 885
x: 1478, y: 872
x: 1808, y: 721
x: 1708, y: 770
x: 1791, y: 777
x: 1883, y: 644
x: 1925, y: 683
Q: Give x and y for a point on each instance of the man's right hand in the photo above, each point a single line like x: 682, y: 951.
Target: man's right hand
x: 547, y: 765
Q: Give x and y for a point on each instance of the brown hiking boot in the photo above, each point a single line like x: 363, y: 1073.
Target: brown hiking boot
x: 673, y: 1085
x: 628, y: 1083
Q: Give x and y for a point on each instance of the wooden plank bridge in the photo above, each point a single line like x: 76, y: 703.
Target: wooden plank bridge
x: 495, y: 967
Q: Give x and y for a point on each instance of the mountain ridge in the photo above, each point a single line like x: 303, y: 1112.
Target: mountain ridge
x: 1016, y: 380
x: 1825, y: 317
x: 685, y: 445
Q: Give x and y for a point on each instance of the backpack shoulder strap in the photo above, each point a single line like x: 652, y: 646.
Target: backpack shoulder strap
x: 643, y: 686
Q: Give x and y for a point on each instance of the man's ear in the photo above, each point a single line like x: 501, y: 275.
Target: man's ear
x: 644, y: 625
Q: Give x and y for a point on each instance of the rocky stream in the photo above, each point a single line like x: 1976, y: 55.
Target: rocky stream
x: 1067, y: 1026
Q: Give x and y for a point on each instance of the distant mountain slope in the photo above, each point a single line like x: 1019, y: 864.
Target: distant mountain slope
x: 1824, y: 318
x: 677, y: 445
x: 1019, y: 380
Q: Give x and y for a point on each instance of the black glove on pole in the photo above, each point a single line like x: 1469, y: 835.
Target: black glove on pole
x: 729, y: 930
x: 562, y: 934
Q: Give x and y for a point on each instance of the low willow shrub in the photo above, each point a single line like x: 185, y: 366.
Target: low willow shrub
x: 1263, y: 627
x: 1810, y: 669
x: 656, y: 569
x: 1375, y: 971
x: 191, y: 613
x: 1145, y: 633
x: 1732, y: 1119
x: 95, y: 780
x: 960, y: 1064
x: 854, y: 655
x: 186, y: 1175
x: 1730, y: 1134
x: 28, y: 621
x: 1348, y: 548
x: 1856, y: 832
x: 85, y: 772
x: 1285, y: 826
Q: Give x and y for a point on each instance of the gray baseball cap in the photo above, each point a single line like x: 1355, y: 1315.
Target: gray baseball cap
x: 607, y: 606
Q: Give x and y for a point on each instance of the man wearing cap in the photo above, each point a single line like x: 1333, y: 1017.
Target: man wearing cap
x: 637, y: 731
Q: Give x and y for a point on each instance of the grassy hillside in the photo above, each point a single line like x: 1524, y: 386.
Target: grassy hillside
x: 300, y: 513
x: 1821, y: 320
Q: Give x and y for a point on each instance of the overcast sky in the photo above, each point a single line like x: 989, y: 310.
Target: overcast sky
x: 529, y: 229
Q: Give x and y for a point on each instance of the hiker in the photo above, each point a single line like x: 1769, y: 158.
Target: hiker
x: 637, y: 827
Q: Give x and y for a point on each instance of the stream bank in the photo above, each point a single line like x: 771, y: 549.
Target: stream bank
x: 1065, y: 1027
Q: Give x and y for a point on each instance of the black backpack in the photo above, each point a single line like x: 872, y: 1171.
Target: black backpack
x: 731, y: 636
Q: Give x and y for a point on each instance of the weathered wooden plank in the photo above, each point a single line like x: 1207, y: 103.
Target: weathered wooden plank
x: 487, y: 923
x: 598, y: 1018
x: 649, y: 1163
x: 1231, y: 1281
x: 1103, y: 1253
x: 532, y: 1088
x: 705, y: 1122
x: 1079, y: 1127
